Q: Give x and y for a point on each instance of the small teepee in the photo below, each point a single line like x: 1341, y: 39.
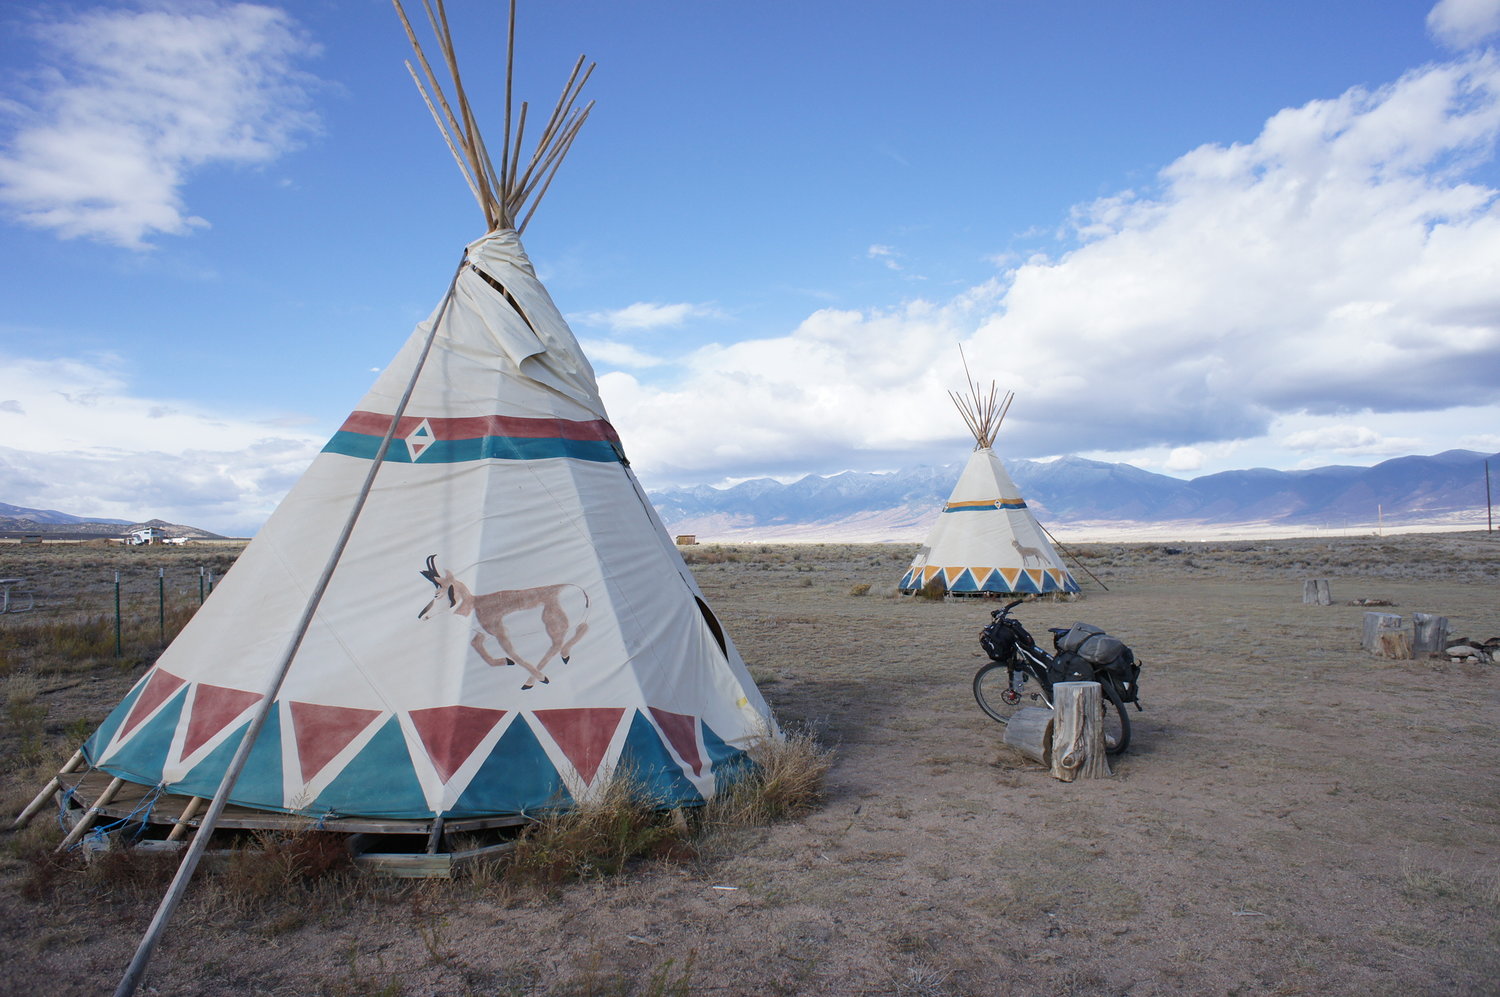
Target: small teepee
x: 985, y: 539
x: 466, y: 610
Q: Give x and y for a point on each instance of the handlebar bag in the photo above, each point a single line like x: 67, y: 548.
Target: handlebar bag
x: 998, y: 641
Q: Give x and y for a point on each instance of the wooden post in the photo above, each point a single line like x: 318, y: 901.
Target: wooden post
x: 1316, y: 591
x: 1029, y: 731
x: 181, y: 826
x: 1309, y: 591
x: 1325, y: 594
x: 88, y: 817
x: 1429, y: 633
x: 1078, y: 732
x: 1374, y: 625
x: 41, y: 798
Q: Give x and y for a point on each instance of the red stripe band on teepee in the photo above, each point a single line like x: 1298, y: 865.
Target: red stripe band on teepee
x: 476, y: 427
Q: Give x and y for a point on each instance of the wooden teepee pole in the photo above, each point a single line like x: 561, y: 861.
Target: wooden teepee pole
x: 173, y: 897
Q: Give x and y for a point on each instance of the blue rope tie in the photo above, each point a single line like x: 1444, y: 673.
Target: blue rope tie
x: 99, y: 832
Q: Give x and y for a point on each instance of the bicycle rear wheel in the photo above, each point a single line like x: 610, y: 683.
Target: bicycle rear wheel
x: 1116, y: 720
x: 997, y: 694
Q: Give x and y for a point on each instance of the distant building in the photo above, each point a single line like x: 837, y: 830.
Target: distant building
x: 146, y: 535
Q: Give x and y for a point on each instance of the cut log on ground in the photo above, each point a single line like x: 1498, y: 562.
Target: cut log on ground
x: 1029, y: 731
x: 1078, y: 732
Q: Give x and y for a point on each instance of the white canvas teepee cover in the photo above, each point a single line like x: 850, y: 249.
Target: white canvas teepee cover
x: 987, y: 540
x: 506, y: 480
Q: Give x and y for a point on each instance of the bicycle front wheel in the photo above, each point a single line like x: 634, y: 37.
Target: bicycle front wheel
x: 1000, y: 691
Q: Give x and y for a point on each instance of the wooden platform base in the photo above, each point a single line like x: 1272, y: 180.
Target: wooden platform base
x: 400, y: 848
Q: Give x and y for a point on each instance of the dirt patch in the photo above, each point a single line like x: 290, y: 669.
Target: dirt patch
x: 1293, y: 815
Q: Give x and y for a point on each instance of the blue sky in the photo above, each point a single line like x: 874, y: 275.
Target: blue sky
x: 1189, y: 235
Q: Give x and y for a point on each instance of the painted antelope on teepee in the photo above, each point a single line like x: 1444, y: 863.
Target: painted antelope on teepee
x: 1028, y: 554
x: 487, y: 613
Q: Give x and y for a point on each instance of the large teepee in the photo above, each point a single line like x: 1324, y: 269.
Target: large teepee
x: 466, y: 608
x: 986, y: 539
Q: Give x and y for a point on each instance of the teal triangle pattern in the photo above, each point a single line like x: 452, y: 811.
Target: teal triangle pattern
x: 101, y: 737
x: 379, y: 782
x: 142, y: 758
x: 646, y: 760
x: 260, y: 781
x: 729, y: 764
x: 517, y: 777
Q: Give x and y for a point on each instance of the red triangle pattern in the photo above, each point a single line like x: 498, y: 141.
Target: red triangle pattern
x: 451, y: 733
x: 682, y: 731
x: 159, y: 687
x: 213, y: 708
x: 324, y: 731
x: 583, y: 735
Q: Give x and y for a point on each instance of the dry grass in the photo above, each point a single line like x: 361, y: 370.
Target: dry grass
x: 1293, y: 817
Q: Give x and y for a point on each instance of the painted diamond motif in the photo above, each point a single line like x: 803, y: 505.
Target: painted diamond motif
x: 419, y: 439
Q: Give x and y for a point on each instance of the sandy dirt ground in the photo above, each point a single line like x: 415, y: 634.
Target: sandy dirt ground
x: 1293, y: 816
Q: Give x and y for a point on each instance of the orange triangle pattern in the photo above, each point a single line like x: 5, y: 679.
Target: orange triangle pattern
x: 324, y: 731
x: 451, y: 733
x: 214, y: 707
x: 583, y: 735
x: 682, y: 731
x: 159, y: 687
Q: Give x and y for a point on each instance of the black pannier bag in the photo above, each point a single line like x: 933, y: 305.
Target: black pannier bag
x: 1069, y: 666
x: 1088, y: 644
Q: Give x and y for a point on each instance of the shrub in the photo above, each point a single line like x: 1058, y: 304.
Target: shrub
x: 863, y: 588
x: 936, y: 590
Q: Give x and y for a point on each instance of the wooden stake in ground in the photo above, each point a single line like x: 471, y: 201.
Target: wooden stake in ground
x: 1078, y: 732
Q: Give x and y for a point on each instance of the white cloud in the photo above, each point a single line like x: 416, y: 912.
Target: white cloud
x: 644, y: 316
x: 885, y: 254
x: 1348, y: 439
x: 133, y: 101
x: 1464, y: 24
x: 1184, y: 459
x: 1342, y: 261
x: 88, y: 446
x: 616, y: 354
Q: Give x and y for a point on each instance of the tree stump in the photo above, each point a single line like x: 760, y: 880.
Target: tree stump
x: 1385, y: 637
x: 1374, y: 625
x: 1316, y: 591
x: 1429, y: 633
x: 1029, y: 731
x: 1078, y: 732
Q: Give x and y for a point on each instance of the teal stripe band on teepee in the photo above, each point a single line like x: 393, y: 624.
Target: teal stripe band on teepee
x: 480, y: 448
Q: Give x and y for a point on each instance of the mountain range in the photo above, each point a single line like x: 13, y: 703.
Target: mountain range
x: 18, y: 521
x: 1442, y: 488
x: 1074, y: 490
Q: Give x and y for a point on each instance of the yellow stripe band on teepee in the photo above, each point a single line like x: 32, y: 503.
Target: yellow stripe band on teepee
x: 985, y: 505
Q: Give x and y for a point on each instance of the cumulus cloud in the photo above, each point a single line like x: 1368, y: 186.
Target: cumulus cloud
x: 1338, y: 262
x: 92, y: 448
x: 1347, y: 439
x: 1184, y: 459
x: 1464, y: 24
x: 132, y: 101
x: 617, y: 354
x: 644, y: 316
